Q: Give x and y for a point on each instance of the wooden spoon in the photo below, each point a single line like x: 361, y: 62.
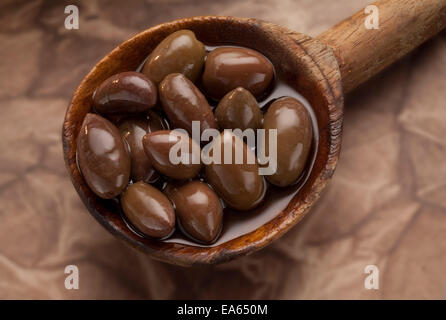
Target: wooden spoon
x: 322, y: 69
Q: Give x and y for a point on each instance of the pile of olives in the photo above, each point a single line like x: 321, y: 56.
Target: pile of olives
x: 124, y: 143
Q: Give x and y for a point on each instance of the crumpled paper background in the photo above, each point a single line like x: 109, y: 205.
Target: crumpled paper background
x: 385, y: 206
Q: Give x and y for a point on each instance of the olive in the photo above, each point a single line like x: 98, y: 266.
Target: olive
x: 102, y: 157
x: 227, y: 68
x: 173, y: 153
x: 148, y: 209
x: 180, y: 52
x: 294, y: 136
x: 126, y: 92
x: 238, y: 110
x: 198, y: 209
x: 133, y: 129
x: 184, y: 103
x: 238, y: 183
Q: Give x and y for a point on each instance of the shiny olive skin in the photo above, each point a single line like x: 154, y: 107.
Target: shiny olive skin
x: 183, y: 103
x: 294, y: 138
x: 157, y: 146
x: 133, y: 129
x: 239, y: 185
x: 102, y: 157
x: 198, y: 210
x: 148, y: 209
x: 180, y: 52
x: 227, y: 68
x: 126, y: 92
x: 238, y: 110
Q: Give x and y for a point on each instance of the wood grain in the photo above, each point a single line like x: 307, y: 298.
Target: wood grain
x: 403, y: 25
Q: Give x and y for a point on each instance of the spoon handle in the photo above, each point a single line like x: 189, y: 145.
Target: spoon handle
x: 403, y: 25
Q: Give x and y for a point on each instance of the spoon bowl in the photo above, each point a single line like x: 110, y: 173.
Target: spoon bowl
x: 292, y: 55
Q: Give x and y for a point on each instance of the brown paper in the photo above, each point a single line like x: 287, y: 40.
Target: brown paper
x: 386, y: 204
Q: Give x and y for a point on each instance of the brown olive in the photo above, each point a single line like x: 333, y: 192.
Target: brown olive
x: 126, y: 92
x: 238, y: 110
x: 180, y: 52
x: 237, y: 183
x: 161, y: 146
x: 227, y: 68
x: 102, y: 157
x: 294, y: 137
x: 183, y: 103
x: 198, y: 209
x: 148, y: 209
x: 133, y: 129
